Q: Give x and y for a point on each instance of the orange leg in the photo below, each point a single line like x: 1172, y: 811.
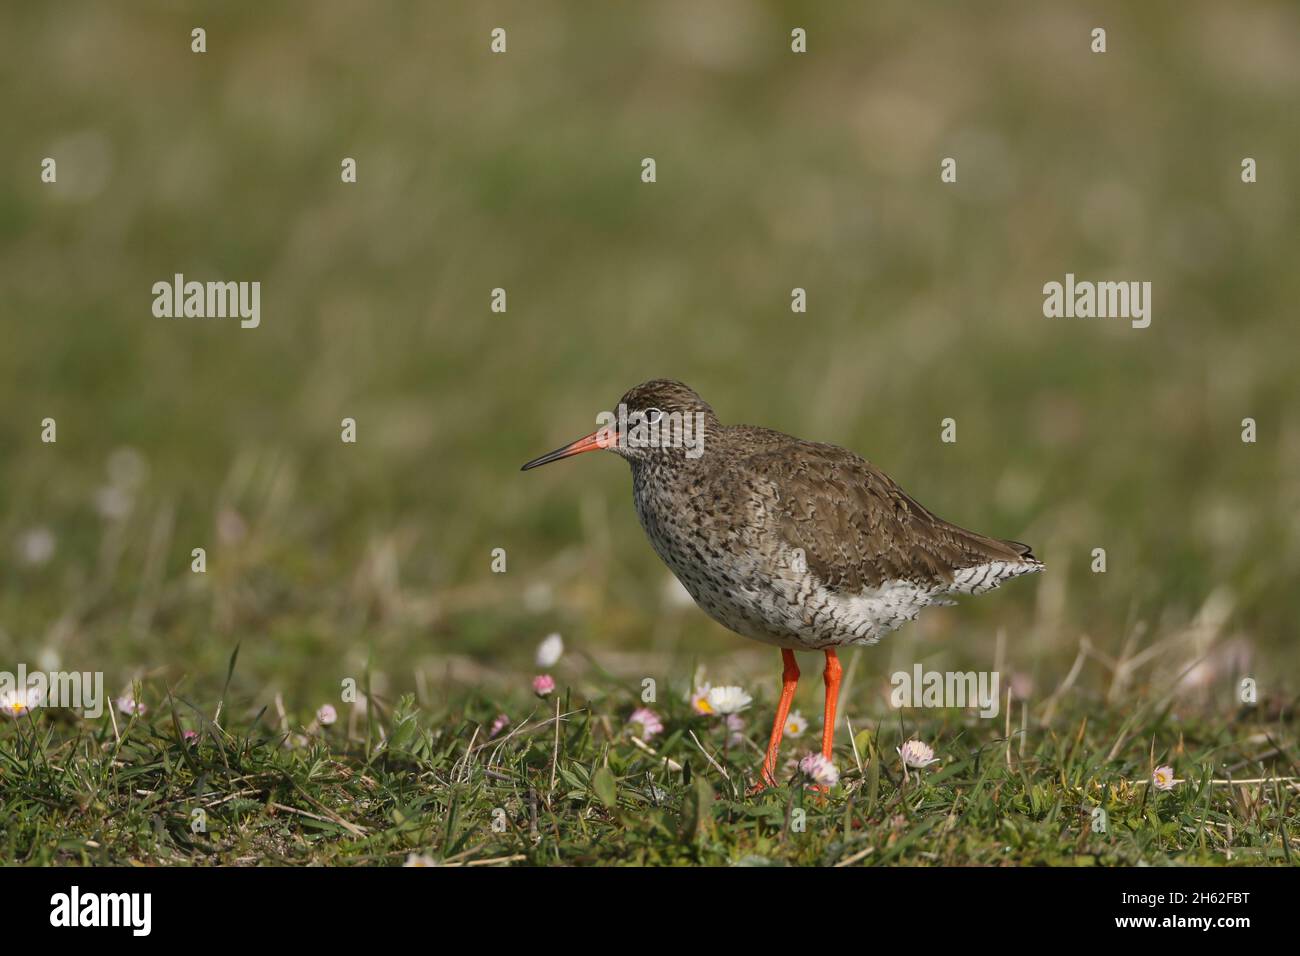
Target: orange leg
x: 789, y: 680
x: 832, y: 677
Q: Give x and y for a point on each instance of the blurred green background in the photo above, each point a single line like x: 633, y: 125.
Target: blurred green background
x: 522, y: 171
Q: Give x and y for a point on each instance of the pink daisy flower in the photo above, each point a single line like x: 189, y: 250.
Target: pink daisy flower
x: 543, y: 685
x: 648, y: 720
x: 819, y: 770
x: 735, y: 730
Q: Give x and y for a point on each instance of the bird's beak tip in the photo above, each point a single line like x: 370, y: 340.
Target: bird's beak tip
x: 596, y: 441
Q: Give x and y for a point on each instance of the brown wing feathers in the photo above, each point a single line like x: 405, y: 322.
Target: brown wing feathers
x: 858, y: 528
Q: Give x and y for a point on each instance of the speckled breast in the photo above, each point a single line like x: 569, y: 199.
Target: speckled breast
x: 748, y: 584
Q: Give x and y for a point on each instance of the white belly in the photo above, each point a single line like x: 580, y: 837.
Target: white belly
x: 797, y: 612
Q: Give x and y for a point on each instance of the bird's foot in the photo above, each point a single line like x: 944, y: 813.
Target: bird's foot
x: 763, y: 785
x: 765, y: 781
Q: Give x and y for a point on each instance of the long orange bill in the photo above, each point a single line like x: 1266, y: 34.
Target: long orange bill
x: 599, y: 439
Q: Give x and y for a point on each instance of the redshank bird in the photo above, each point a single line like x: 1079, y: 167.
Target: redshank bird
x: 797, y: 544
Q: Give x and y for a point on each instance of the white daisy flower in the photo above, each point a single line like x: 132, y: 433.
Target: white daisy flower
x: 16, y: 703
x: 728, y: 700
x: 917, y: 754
x: 699, y: 698
x: 1162, y: 778
x: 550, y: 651
x: 795, y: 724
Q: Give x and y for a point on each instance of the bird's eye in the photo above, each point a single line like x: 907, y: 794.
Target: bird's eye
x: 652, y: 416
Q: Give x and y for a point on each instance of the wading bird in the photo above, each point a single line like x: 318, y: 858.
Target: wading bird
x: 797, y: 544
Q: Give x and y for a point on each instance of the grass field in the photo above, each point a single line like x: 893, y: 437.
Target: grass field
x: 577, y: 785
x: 372, y: 563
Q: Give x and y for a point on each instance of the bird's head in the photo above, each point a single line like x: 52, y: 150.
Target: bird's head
x: 660, y: 420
